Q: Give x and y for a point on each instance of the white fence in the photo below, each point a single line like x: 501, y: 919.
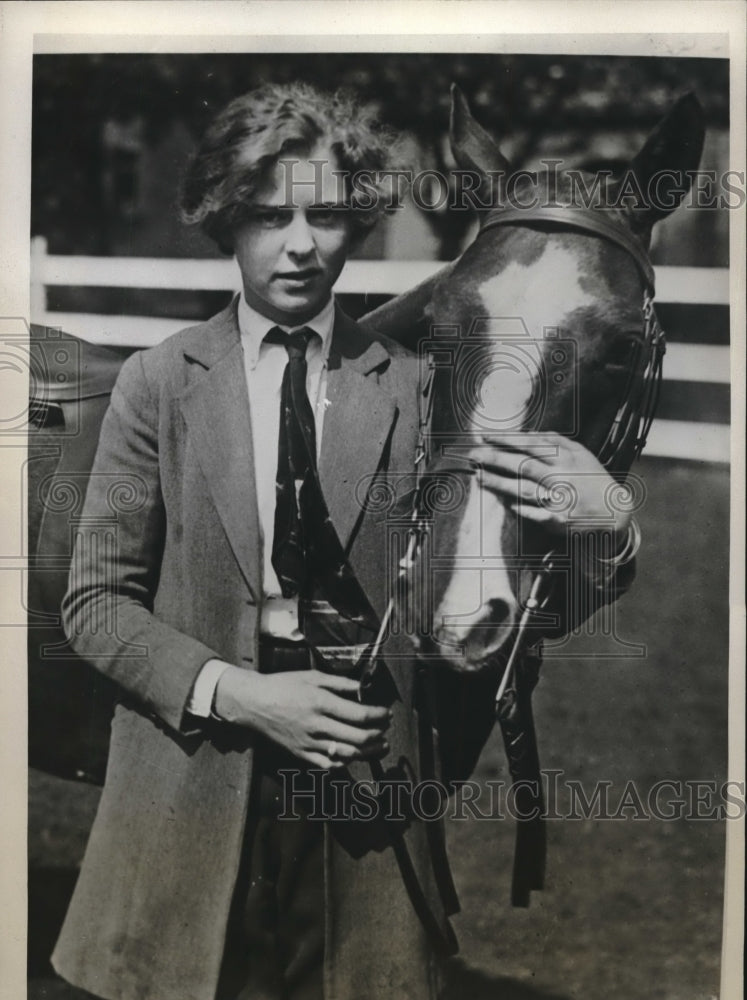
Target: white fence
x: 697, y: 363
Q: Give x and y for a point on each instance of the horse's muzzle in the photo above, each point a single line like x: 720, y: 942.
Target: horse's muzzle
x: 468, y: 642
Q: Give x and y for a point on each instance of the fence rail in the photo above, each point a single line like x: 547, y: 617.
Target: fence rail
x: 685, y: 362
x: 705, y: 285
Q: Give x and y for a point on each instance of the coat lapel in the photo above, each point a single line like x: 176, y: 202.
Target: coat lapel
x: 215, y: 407
x: 357, y: 422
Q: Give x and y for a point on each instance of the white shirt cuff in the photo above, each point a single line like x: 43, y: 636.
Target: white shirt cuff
x: 201, y: 700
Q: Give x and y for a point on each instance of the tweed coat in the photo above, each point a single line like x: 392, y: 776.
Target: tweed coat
x: 166, y: 575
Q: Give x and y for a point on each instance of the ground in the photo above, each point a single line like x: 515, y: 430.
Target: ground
x: 632, y: 907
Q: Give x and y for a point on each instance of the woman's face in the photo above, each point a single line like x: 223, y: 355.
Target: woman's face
x: 295, y: 240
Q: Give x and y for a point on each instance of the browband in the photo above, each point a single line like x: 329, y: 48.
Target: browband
x: 584, y: 220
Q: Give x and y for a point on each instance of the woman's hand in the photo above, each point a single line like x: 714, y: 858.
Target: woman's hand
x: 314, y: 715
x: 551, y: 480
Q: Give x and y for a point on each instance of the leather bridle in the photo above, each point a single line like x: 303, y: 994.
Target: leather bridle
x: 624, y: 441
x: 627, y: 434
x: 629, y: 429
x: 593, y: 222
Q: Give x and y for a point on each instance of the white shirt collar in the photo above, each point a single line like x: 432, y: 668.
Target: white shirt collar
x: 254, y: 327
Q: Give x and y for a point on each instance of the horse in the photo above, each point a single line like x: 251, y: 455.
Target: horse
x: 545, y: 323
x: 541, y: 324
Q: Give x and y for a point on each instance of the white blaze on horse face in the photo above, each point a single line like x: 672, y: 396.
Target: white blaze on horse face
x: 478, y: 608
x: 541, y: 294
x: 507, y: 386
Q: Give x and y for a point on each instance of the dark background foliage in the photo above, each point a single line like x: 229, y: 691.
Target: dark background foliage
x: 95, y: 116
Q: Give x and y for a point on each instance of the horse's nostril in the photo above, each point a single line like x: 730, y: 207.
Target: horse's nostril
x: 500, y: 613
x: 468, y: 641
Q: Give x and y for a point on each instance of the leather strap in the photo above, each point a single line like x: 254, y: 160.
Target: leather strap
x: 595, y: 223
x: 624, y: 442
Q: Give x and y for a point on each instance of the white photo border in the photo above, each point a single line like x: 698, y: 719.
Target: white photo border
x: 496, y: 26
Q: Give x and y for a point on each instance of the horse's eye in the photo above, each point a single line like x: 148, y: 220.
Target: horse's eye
x: 620, y: 353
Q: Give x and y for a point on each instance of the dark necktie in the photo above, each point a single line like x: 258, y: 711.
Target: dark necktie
x: 296, y: 464
x: 306, y: 549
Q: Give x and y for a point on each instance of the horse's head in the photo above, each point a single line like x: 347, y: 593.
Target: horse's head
x: 537, y: 327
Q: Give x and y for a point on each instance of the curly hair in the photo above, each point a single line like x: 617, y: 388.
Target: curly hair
x: 246, y: 140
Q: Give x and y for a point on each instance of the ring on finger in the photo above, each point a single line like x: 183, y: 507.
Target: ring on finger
x: 332, y: 749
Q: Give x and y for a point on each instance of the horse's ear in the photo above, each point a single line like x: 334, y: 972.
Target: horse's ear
x: 673, y: 152
x: 472, y: 147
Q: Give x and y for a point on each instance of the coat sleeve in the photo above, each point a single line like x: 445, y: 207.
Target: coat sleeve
x: 577, y: 592
x: 107, y: 611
